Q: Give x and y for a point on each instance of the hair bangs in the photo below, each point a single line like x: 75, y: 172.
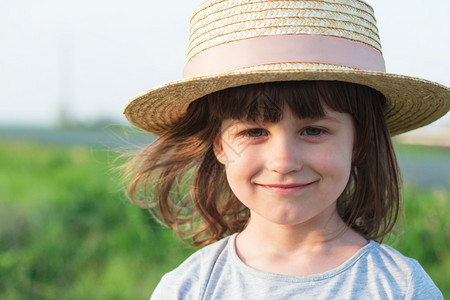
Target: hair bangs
x: 265, y: 102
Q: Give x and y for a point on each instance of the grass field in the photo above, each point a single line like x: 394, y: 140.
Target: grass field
x: 67, y: 231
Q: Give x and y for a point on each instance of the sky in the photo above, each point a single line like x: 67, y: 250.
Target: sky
x: 91, y: 56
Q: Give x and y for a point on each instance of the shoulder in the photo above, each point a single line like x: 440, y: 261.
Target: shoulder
x: 401, y: 271
x: 387, y: 258
x: 186, y: 281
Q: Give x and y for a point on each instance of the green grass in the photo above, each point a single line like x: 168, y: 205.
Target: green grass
x: 67, y: 231
x: 425, y: 233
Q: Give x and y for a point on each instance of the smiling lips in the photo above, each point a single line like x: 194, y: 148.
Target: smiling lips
x: 285, y: 188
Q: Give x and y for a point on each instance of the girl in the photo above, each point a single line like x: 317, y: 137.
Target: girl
x: 275, y: 154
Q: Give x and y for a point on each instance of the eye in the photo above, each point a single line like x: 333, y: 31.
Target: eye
x: 313, y: 131
x: 255, y: 132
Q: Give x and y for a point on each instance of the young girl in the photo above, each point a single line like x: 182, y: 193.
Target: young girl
x: 275, y: 154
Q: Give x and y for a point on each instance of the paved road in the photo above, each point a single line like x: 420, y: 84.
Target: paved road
x: 423, y: 171
x: 426, y: 171
x: 108, y: 137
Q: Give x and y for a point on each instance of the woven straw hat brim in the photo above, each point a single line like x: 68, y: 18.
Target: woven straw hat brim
x: 411, y: 102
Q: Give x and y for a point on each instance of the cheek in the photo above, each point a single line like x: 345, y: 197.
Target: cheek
x: 233, y: 168
x: 239, y: 168
x: 237, y: 183
x: 336, y: 164
x: 240, y: 171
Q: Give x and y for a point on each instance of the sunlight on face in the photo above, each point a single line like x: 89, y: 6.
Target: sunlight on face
x: 290, y: 172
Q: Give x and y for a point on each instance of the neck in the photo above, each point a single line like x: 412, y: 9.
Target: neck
x: 297, y: 249
x: 287, y: 238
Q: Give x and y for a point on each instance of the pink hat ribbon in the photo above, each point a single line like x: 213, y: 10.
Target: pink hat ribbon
x: 274, y: 49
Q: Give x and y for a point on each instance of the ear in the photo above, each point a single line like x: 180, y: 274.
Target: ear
x: 218, y: 149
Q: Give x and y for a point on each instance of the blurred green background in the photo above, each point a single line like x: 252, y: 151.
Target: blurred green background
x: 68, y: 232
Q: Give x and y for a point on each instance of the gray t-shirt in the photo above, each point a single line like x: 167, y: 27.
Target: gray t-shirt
x: 374, y: 272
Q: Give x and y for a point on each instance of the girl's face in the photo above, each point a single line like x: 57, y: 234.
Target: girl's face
x: 290, y: 172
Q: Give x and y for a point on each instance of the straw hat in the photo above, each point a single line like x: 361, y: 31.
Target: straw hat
x: 239, y: 42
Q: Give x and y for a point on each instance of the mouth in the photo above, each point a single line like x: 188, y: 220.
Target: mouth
x: 286, y: 188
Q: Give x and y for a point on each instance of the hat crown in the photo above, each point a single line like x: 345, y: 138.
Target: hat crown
x: 217, y: 22
x: 239, y: 42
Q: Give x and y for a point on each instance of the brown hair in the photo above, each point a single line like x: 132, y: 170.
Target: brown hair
x: 184, y: 186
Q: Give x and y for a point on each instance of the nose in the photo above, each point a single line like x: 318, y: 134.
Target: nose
x: 284, y: 155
